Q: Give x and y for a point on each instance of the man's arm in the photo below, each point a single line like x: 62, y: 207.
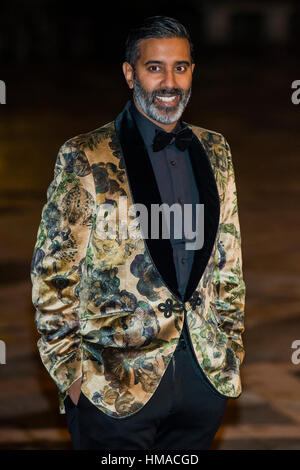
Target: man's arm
x: 228, y: 274
x: 58, y: 265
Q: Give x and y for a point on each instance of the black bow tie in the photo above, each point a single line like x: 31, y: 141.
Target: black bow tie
x: 181, y: 138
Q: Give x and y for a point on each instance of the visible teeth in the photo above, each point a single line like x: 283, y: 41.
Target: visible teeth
x: 166, y: 98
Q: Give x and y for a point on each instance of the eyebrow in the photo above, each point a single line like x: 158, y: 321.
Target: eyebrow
x: 160, y: 62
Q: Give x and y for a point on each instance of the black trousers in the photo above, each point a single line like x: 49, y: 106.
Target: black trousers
x: 184, y: 413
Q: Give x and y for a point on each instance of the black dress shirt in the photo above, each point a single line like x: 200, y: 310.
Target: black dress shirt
x: 176, y: 183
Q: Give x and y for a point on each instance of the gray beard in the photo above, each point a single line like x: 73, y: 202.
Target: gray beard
x: 145, y: 101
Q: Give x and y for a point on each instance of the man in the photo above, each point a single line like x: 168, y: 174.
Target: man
x: 142, y: 335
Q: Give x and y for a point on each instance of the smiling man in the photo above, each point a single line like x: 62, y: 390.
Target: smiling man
x: 143, y: 337
x: 161, y: 88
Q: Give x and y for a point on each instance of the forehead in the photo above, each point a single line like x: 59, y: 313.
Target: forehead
x: 164, y: 49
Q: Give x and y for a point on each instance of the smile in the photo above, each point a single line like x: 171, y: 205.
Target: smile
x: 168, y: 99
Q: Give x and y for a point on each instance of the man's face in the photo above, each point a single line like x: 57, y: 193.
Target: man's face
x: 162, y: 79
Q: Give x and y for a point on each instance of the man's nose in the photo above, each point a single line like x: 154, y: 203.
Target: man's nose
x: 169, y: 80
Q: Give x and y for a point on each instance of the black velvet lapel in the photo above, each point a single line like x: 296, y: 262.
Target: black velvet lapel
x: 209, y: 196
x: 144, y: 190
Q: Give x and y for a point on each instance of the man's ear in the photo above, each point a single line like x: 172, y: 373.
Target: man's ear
x: 193, y: 66
x: 128, y: 73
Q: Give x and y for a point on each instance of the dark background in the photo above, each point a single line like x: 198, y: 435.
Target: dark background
x: 61, y: 62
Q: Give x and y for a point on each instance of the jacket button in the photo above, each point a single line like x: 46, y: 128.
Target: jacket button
x: 195, y: 300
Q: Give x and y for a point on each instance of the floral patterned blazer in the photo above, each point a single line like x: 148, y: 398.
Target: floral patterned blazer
x: 109, y: 309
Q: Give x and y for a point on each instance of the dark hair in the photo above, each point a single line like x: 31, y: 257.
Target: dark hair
x: 154, y: 27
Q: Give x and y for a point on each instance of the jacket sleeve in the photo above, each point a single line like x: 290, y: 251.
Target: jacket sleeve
x: 58, y: 263
x: 229, y: 280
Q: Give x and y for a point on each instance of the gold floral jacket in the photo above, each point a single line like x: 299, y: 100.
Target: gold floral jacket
x: 109, y: 309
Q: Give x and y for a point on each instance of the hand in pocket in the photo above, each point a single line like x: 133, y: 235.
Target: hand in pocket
x: 75, y: 390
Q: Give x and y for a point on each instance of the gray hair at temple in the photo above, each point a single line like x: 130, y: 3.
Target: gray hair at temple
x: 154, y: 27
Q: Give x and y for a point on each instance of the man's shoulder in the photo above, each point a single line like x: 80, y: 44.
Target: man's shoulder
x: 207, y: 135
x: 215, y: 144
x: 90, y: 140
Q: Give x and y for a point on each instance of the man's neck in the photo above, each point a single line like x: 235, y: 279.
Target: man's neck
x: 165, y: 127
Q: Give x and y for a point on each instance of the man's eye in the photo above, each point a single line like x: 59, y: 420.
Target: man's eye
x: 152, y: 67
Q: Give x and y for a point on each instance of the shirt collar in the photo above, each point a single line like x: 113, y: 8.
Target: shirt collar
x: 147, y: 127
